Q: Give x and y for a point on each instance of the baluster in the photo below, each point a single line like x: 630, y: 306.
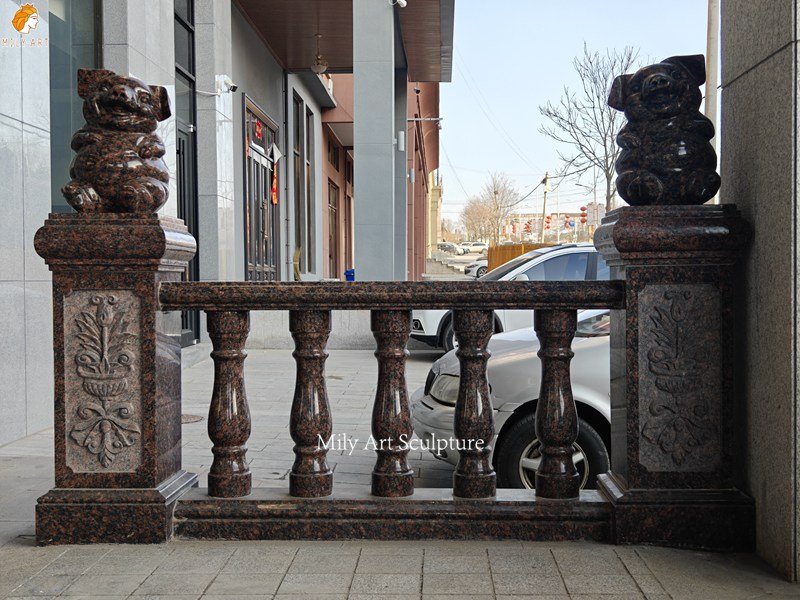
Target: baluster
x: 556, y: 417
x: 391, y: 417
x: 474, y: 421
x: 310, y: 421
x: 229, y: 414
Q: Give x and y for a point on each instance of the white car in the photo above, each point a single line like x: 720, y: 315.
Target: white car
x: 567, y: 262
x: 474, y: 246
x: 477, y: 269
x: 514, y: 373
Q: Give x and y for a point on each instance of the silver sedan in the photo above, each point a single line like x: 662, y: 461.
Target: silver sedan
x: 514, y: 375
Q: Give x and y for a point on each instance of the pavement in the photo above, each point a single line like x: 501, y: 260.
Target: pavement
x: 422, y: 570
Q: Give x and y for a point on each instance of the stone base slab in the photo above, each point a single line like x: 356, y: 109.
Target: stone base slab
x: 722, y: 520
x: 116, y: 516
x: 428, y: 514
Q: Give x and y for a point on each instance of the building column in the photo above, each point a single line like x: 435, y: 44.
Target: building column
x: 759, y: 169
x: 215, y: 147
x: 374, y: 135
x: 400, y: 175
x: 139, y: 40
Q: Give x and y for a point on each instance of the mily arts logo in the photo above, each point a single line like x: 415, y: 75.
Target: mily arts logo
x: 26, y: 18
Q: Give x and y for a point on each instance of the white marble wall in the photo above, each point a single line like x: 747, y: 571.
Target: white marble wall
x: 215, y: 144
x: 26, y: 365
x: 759, y: 168
x: 139, y: 40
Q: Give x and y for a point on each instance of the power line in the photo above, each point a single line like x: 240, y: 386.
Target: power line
x: 513, y: 146
x: 455, y: 172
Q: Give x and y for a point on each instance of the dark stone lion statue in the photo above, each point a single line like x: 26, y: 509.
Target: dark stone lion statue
x: 666, y: 155
x: 118, y: 167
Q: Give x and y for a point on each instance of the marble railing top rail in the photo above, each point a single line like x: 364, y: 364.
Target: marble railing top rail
x: 391, y: 295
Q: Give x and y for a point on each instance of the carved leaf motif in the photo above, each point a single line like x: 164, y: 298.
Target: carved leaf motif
x: 104, y: 361
x: 678, y: 420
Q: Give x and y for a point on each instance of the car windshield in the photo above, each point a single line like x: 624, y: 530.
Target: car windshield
x: 496, y: 274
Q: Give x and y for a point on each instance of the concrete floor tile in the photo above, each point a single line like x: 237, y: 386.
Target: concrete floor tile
x: 383, y: 597
x: 441, y: 563
x: 258, y: 560
x: 311, y: 597
x: 324, y: 563
x: 387, y: 564
x: 538, y: 597
x: 334, y: 583
x: 385, y: 584
x: 599, y: 583
x: 92, y: 585
x: 236, y: 597
x: 195, y: 560
x: 43, y: 585
x: 520, y: 584
x: 227, y: 584
x: 438, y: 583
x: 523, y: 561
x: 172, y: 584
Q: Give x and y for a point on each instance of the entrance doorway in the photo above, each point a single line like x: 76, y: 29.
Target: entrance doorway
x: 262, y: 214
x: 334, y: 270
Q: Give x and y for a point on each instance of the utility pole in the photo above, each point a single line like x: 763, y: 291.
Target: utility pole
x: 712, y: 62
x: 560, y: 225
x: 546, y: 182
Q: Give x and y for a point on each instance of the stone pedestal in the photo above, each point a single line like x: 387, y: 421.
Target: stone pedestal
x: 117, y: 378
x: 673, y: 477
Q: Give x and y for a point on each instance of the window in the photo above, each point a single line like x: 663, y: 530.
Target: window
x: 298, y: 150
x: 333, y: 230
x: 603, y: 270
x: 567, y: 267
x: 333, y: 154
x: 75, y: 42
x: 262, y: 197
x: 310, y: 190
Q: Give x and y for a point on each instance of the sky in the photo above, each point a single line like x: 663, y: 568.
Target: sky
x: 511, y: 56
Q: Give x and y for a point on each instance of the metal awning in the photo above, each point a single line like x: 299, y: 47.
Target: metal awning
x: 288, y: 27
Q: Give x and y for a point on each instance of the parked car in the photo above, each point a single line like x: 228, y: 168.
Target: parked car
x: 450, y: 247
x: 567, y: 262
x: 514, y: 373
x: 474, y: 246
x: 477, y: 269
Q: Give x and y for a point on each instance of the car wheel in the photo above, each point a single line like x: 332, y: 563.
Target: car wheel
x: 481, y: 272
x: 518, y: 455
x: 449, y: 336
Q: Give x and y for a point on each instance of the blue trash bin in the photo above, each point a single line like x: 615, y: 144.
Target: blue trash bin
x: 350, y: 275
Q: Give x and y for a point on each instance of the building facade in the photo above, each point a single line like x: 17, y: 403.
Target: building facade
x: 263, y: 169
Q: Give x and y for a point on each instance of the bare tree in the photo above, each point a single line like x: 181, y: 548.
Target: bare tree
x: 584, y: 121
x: 484, y: 214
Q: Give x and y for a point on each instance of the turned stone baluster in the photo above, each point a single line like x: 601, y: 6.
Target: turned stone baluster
x: 229, y: 414
x: 391, y: 417
x: 474, y: 422
x: 556, y: 417
x: 310, y: 420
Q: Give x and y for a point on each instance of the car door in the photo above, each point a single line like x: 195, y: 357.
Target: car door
x: 564, y: 266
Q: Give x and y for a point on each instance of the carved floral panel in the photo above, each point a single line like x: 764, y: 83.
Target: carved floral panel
x: 680, y: 378
x: 102, y: 401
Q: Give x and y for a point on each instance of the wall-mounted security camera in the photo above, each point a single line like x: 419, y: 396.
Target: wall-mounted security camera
x: 417, y: 91
x: 228, y: 85
x: 400, y: 3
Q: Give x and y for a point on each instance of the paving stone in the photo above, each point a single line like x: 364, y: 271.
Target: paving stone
x: 324, y: 563
x: 304, y: 583
x: 259, y: 560
x: 438, y: 583
x: 43, y: 585
x: 522, y: 561
x: 172, y: 584
x: 442, y: 563
x: 385, y: 584
x: 387, y: 563
x: 92, y: 585
x: 599, y: 583
x: 251, y: 583
x: 516, y: 584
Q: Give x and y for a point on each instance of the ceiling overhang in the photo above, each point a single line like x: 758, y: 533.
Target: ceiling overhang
x: 288, y: 28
